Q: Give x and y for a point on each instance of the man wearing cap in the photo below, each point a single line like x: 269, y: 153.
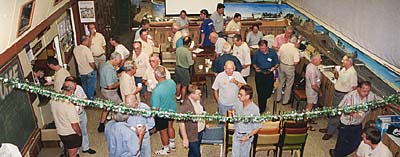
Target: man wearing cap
x: 218, y: 19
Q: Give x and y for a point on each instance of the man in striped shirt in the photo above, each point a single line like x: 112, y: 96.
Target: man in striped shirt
x: 350, y: 128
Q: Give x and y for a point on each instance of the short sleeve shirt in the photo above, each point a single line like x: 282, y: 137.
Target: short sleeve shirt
x: 280, y: 40
x: 147, y: 46
x: 121, y: 140
x: 121, y: 49
x: 108, y: 75
x: 219, y: 45
x: 98, y: 42
x: 289, y: 54
x: 64, y: 115
x: 151, y: 79
x: 83, y: 57
x: 163, y: 96
x: 313, y: 77
x: 59, y: 78
x: 80, y: 93
x: 127, y: 86
x: 227, y: 91
x: 381, y: 150
x: 218, y: 21
x: 253, y: 39
x: 184, y: 57
x: 207, y: 27
x: 346, y: 80
x: 265, y: 61
x: 242, y: 52
x: 251, y: 110
x: 233, y: 26
x: 181, y: 22
x: 142, y: 63
x: 136, y: 119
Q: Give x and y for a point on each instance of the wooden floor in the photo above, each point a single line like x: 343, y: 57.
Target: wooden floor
x: 315, y: 147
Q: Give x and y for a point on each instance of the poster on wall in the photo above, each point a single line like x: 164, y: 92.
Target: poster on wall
x: 25, y: 17
x: 86, y: 11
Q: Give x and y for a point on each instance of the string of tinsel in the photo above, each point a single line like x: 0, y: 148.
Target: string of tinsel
x: 108, y: 105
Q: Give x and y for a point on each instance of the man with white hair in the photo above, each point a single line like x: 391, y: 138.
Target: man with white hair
x: 109, y: 84
x: 123, y: 139
x: 149, y: 79
x: 218, y: 43
x: 226, y: 87
x: 289, y: 57
x: 137, y: 120
x: 176, y: 34
x: 127, y: 85
x: 218, y: 64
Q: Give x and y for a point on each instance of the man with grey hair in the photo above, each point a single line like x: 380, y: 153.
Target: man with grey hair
x: 86, y: 66
x: 289, y: 57
x: 282, y: 38
x: 313, y: 83
x: 219, y: 63
x: 163, y: 99
x: 109, y: 84
x: 127, y: 85
x: 122, y: 139
x: 176, y: 34
x: 137, y: 120
x: 218, y: 43
x: 149, y: 79
x: 345, y: 83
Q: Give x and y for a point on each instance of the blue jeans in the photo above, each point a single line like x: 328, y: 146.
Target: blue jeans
x: 139, y: 80
x: 240, y: 149
x: 222, y: 109
x: 194, y: 147
x: 145, y: 150
x: 83, y: 124
x: 89, y: 84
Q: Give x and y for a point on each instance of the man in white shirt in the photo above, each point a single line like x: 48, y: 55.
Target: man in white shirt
x: 147, y: 44
x: 142, y: 63
x: 97, y: 45
x: 9, y: 150
x: 144, y: 24
x: 242, y: 51
x: 233, y: 27
x: 372, y: 144
x: 218, y: 19
x: 119, y: 48
x: 149, y: 79
x: 350, y: 128
x: 218, y: 43
x: 254, y: 36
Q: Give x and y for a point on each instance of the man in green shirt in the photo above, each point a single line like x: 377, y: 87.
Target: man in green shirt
x: 183, y: 61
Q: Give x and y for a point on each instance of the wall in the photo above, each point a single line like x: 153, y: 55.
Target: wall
x: 9, y: 16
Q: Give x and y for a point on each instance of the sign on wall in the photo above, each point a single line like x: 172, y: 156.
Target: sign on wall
x: 25, y: 17
x: 86, y: 11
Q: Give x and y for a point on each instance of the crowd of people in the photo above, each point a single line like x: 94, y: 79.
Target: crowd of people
x: 137, y: 79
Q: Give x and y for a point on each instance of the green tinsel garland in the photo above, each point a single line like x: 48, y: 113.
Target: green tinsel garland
x: 108, y: 105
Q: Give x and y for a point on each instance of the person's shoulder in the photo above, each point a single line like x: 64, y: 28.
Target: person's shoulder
x: 143, y: 105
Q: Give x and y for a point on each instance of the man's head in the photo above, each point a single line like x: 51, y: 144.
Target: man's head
x: 154, y: 61
x: 203, y: 14
x: 130, y: 68
x: 371, y: 136
x: 213, y: 37
x: 229, y: 67
x: 288, y: 31
x: 226, y: 48
x: 245, y: 93
x: 143, y: 34
x: 159, y: 73
x: 145, y: 24
x: 347, y: 61
x: 220, y: 8
x: 293, y: 39
x: 237, y: 17
x: 115, y: 59
x: 131, y: 101
x: 237, y: 40
x: 137, y: 47
x: 92, y: 28
x: 174, y: 27
x: 182, y: 14
x: 255, y: 28
x: 38, y: 72
x: 53, y: 64
x: 68, y: 87
x: 263, y: 46
x: 120, y: 117
x: 316, y: 59
x: 114, y: 41
x: 195, y: 92
x: 364, y: 88
x: 186, y: 41
x: 85, y: 40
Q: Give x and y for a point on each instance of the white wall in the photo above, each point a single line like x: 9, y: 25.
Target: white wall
x: 9, y: 16
x: 371, y: 24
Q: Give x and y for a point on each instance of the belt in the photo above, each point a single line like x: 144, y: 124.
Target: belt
x: 182, y: 67
x: 99, y: 55
x: 286, y: 64
x: 242, y: 133
x: 110, y: 88
x: 340, y: 92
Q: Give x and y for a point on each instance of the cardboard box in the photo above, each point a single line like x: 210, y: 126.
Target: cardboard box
x: 383, y: 122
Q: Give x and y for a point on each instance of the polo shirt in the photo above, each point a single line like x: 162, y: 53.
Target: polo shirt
x: 59, y: 78
x: 289, y: 54
x: 98, y: 42
x: 147, y: 46
x: 280, y: 40
x: 233, y: 26
x: 265, y: 61
x: 218, y: 21
x: 250, y: 110
x: 64, y: 115
x: 346, y: 80
x: 253, y: 39
x: 219, y: 45
x: 121, y: 49
x: 127, y: 86
x: 163, y: 96
x: 184, y: 57
x: 83, y: 57
x: 227, y: 91
x: 151, y: 79
x: 207, y: 27
x: 142, y: 63
x: 108, y: 75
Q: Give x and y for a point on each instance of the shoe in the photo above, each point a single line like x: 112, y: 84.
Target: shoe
x: 332, y: 152
x: 326, y: 137
x: 324, y: 131
x: 90, y: 151
x: 162, y: 152
x: 101, y: 127
x: 172, y: 147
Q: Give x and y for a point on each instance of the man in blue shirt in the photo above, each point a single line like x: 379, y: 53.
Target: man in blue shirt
x: 206, y: 28
x: 109, y: 84
x: 219, y: 63
x: 140, y: 121
x: 163, y: 99
x: 122, y: 139
x: 265, y: 61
